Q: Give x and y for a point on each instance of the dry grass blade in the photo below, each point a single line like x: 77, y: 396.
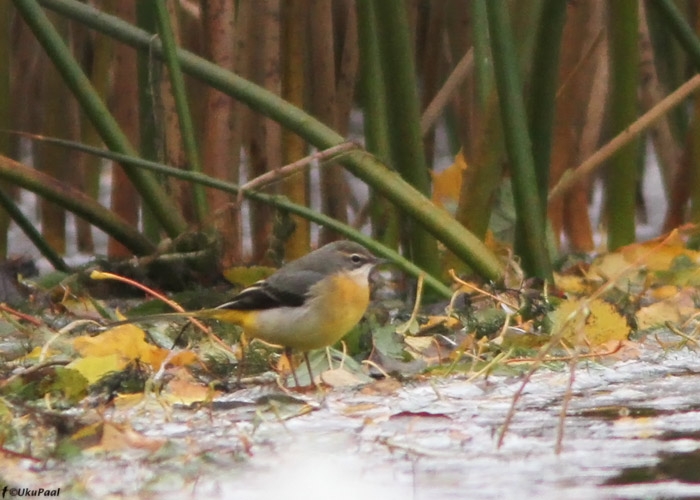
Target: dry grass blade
x: 7, y: 309
x: 557, y: 337
x: 292, y: 168
x: 586, y: 168
x: 565, y: 405
x: 456, y: 78
x: 99, y: 275
x: 403, y: 329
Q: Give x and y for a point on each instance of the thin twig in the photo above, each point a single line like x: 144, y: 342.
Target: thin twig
x: 675, y: 330
x: 416, y: 307
x: 561, y: 359
x: 292, y: 168
x: 20, y: 315
x: 460, y: 281
x: 584, y: 58
x: 33, y: 369
x: 518, y: 394
x: 375, y: 365
x: 436, y: 106
x: 565, y: 406
x: 160, y: 296
x: 556, y: 337
x: 342, y: 360
x: 487, y: 367
x: 66, y: 329
x: 101, y: 275
x: 16, y: 455
x: 595, y: 161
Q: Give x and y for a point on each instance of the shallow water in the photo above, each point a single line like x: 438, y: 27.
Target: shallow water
x: 632, y: 431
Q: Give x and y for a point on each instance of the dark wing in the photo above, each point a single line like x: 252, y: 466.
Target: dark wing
x: 290, y: 290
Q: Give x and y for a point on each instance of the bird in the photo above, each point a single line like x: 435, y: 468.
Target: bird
x: 307, y: 304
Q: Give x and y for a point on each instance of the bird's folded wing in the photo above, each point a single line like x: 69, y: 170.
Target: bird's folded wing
x: 286, y: 291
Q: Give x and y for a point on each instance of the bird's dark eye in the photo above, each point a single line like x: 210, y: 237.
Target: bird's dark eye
x: 356, y: 258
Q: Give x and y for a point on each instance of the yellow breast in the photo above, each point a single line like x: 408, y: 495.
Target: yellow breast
x: 345, y: 302
x: 335, y: 305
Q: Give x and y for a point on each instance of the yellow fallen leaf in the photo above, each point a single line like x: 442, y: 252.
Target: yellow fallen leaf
x: 184, y: 389
x: 610, y: 266
x: 35, y: 354
x: 87, y: 436
x: 121, y: 437
x: 448, y: 322
x: 183, y: 358
x: 128, y: 343
x: 593, y: 322
x: 662, y: 292
x: 93, y: 368
x: 447, y: 184
x: 127, y: 401
x: 676, y: 309
x: 83, y: 307
x: 419, y: 344
x: 576, y: 285
x: 340, y: 378
x: 657, y: 256
x: 657, y: 314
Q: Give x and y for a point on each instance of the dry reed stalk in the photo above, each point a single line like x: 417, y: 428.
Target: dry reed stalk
x: 296, y: 188
x: 124, y: 199
x: 576, y: 70
x: 217, y: 141
x: 57, y: 120
x: 324, y: 105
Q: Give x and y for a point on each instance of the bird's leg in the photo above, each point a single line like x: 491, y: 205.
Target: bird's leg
x: 308, y: 367
x: 288, y: 355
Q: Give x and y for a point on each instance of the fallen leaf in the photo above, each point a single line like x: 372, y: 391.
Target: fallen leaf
x: 612, y: 266
x: 576, y: 285
x: 93, y: 368
x: 385, y: 387
x: 656, y: 256
x: 675, y: 309
x: 341, y: 378
x: 419, y: 414
x: 184, y: 389
x: 121, y: 437
x: 127, y: 343
x: 359, y: 408
x: 588, y: 322
x: 419, y: 344
x: 435, y: 321
x: 447, y: 184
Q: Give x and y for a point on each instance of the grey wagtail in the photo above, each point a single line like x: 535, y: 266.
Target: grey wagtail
x: 307, y: 304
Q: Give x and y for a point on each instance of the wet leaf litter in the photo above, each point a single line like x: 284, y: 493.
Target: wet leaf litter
x: 84, y: 409
x: 423, y: 439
